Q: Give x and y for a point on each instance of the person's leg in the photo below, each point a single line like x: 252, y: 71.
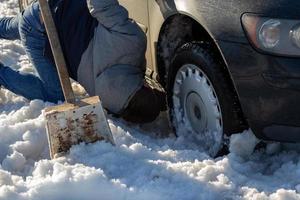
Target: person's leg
x: 45, y: 87
x: 9, y: 28
x: 26, y: 85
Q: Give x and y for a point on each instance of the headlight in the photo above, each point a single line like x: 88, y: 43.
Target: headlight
x: 295, y: 35
x: 275, y: 36
x: 269, y: 33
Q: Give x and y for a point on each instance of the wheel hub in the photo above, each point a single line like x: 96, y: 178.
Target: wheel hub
x: 196, y: 112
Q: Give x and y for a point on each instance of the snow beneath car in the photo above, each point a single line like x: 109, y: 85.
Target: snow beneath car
x: 140, y: 166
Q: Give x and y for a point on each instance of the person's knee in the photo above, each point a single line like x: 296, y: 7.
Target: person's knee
x: 30, y: 24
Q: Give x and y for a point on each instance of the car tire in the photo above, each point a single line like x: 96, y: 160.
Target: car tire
x: 201, y: 98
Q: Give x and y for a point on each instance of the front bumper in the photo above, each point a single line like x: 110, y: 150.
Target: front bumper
x: 269, y: 91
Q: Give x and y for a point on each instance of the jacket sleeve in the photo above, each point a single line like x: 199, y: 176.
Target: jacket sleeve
x: 109, y: 13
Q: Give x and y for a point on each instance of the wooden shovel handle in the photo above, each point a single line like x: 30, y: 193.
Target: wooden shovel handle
x: 57, y: 51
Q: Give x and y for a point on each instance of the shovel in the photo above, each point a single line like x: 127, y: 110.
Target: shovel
x: 77, y: 120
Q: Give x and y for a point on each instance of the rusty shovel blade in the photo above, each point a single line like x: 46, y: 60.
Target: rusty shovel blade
x: 70, y: 124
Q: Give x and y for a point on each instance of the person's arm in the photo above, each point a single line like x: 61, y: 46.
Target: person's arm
x: 108, y: 12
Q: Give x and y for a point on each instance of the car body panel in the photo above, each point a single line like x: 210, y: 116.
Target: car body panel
x: 220, y: 18
x: 267, y: 99
x: 268, y: 86
x: 138, y: 10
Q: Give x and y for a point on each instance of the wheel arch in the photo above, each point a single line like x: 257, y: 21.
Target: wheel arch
x: 199, y: 33
x: 191, y: 29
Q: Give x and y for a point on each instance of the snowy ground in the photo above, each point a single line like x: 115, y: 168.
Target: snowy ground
x: 140, y: 166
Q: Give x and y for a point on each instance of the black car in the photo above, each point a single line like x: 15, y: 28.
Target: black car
x: 227, y: 65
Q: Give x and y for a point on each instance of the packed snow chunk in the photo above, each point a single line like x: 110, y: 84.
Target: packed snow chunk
x: 285, y: 194
x: 120, y: 135
x: 79, y: 90
x: 11, y: 186
x: 14, y: 162
x: 252, y: 193
x: 22, y: 124
x: 223, y: 182
x: 5, y: 178
x: 243, y: 144
x: 7, y: 97
x: 59, y: 180
x: 34, y: 144
x: 25, y: 113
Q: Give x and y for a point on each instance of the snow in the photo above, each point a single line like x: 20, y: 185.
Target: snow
x: 141, y: 166
x: 243, y: 144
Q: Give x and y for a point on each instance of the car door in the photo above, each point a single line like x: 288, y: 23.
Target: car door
x: 138, y: 10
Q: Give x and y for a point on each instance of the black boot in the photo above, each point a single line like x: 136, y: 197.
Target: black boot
x: 145, y: 105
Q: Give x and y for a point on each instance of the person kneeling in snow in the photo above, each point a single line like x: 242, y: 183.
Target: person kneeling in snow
x: 104, y: 51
